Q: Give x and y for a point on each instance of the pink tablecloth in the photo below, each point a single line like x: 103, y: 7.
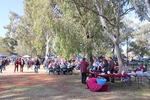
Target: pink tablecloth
x: 94, y: 87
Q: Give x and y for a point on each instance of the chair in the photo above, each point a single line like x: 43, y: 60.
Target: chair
x: 51, y: 70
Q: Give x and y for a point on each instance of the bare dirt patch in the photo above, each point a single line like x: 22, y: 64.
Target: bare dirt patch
x: 41, y: 86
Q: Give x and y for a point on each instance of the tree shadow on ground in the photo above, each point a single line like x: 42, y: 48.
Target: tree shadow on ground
x: 34, y: 86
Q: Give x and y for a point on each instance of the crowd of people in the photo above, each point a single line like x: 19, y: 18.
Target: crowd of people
x: 54, y: 65
x: 107, y: 66
x: 61, y: 66
x: 33, y: 63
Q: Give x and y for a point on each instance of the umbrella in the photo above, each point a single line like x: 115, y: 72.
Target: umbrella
x: 52, y: 55
x: 79, y: 57
x: 13, y: 56
x: 26, y: 56
x: 3, y: 56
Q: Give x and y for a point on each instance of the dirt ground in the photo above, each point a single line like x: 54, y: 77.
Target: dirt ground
x: 41, y: 86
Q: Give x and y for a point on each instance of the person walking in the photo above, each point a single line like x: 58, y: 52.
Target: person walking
x: 84, y: 65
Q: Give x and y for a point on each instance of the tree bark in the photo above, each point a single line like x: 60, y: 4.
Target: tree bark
x: 141, y: 12
x: 89, y: 50
x: 148, y: 5
x: 47, y: 52
x: 119, y: 57
x: 114, y: 36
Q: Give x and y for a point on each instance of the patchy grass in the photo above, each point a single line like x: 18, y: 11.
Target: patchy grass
x: 41, y: 86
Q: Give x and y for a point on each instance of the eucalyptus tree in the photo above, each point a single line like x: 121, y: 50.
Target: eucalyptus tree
x: 45, y: 18
x: 141, y: 44
x: 78, y: 18
x: 127, y: 35
x: 9, y: 42
x: 111, y: 21
x: 110, y: 15
x: 142, y: 8
x: 85, y: 28
x: 138, y: 49
x: 25, y: 38
x: 67, y: 42
x: 7, y: 46
x: 41, y: 16
x: 18, y: 31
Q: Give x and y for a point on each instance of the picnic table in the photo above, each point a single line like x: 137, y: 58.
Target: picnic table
x: 140, y: 79
x: 96, y: 74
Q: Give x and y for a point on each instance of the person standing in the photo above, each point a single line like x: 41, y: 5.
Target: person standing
x: 0, y: 65
x: 36, y: 65
x: 84, y: 65
x: 16, y: 65
x: 95, y: 64
x: 105, y: 68
x: 111, y: 65
x: 22, y: 62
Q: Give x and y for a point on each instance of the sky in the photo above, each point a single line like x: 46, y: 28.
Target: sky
x: 17, y: 6
x: 5, y: 7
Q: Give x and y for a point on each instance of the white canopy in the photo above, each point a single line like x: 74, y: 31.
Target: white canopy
x: 26, y: 56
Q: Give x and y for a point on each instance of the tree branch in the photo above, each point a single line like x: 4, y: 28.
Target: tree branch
x: 108, y: 31
x: 82, y: 5
x: 139, y: 11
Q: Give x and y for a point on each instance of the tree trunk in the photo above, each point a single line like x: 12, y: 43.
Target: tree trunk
x: 145, y: 15
x: 148, y: 5
x: 47, y: 52
x: 89, y: 49
x: 90, y: 57
x: 119, y: 57
x: 114, y: 36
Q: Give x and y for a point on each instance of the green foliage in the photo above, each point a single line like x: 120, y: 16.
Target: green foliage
x: 141, y: 10
x: 8, y: 46
x: 76, y: 22
x: 72, y: 26
x: 141, y: 46
x: 138, y: 49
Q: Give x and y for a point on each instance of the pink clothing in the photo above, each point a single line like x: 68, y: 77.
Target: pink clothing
x: 142, y: 67
x: 84, y: 65
x: 51, y: 65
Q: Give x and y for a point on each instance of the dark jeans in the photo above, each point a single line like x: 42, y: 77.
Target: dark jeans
x: 112, y: 79
x: 108, y: 79
x: 64, y: 70
x: 58, y: 71
x: 83, y: 76
x: 35, y: 68
x: 0, y: 68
